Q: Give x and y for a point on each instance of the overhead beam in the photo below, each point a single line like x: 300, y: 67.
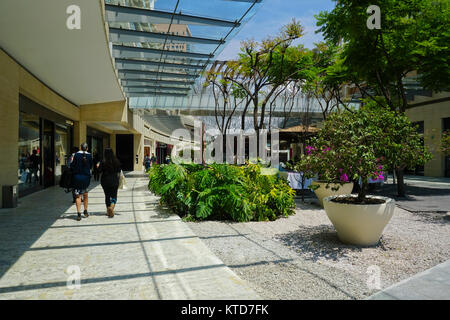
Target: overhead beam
x: 134, y: 81
x: 120, y: 51
x: 126, y: 63
x: 145, y: 88
x: 155, y: 94
x: 127, y: 35
x: 125, y: 72
x: 115, y: 13
x: 250, y: 1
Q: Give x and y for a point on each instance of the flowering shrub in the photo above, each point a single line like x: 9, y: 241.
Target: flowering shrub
x: 360, y: 144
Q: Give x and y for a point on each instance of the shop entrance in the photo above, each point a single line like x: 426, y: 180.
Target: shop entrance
x: 44, y: 143
x: 124, y: 151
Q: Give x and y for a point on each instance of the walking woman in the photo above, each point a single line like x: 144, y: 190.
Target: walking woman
x: 109, y: 167
x: 81, y: 169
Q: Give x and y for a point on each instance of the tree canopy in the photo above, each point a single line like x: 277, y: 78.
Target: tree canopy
x: 414, y: 36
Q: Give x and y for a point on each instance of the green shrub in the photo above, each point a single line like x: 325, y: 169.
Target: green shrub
x: 221, y: 192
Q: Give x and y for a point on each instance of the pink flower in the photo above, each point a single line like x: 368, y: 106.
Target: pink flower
x: 344, y: 177
x: 309, y: 149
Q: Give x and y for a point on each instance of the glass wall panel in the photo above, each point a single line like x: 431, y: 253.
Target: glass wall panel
x: 62, y: 148
x: 29, y: 152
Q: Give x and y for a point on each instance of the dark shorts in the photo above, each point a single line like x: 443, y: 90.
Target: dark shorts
x: 81, y: 184
x: 78, y: 192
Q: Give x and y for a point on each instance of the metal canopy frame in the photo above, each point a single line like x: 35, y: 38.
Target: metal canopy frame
x: 157, y: 73
x: 134, y: 81
x: 128, y: 87
x: 115, y: 13
x: 120, y: 51
x: 128, y: 35
x: 126, y: 63
x: 160, y: 48
x: 162, y: 93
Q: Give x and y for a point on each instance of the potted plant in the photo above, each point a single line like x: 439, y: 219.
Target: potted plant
x: 364, y: 143
x: 332, y: 178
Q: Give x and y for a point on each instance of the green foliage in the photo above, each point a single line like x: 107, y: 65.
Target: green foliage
x: 414, y: 36
x: 445, y: 142
x: 221, y: 191
x: 264, y: 67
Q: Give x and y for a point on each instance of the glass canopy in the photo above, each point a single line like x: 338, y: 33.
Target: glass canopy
x: 161, y: 47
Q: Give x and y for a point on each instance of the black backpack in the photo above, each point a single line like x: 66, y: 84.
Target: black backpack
x: 66, y: 179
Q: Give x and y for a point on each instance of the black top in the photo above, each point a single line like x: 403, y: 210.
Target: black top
x: 81, y: 163
x: 34, y: 161
x: 110, y: 175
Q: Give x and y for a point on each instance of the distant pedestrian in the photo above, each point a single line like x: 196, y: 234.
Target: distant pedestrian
x: 81, y: 169
x: 152, y: 160
x: 110, y: 170
x: 69, y: 162
x: 96, y: 158
x: 35, y: 162
x: 22, y: 163
x: 147, y: 163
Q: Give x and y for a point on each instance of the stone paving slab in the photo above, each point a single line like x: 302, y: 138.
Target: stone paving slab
x: 144, y: 252
x: 432, y: 284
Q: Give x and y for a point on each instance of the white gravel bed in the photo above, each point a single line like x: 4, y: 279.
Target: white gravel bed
x: 300, y: 257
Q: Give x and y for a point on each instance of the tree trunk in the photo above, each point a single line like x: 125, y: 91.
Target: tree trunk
x: 362, y: 191
x: 224, y: 147
x: 400, y: 182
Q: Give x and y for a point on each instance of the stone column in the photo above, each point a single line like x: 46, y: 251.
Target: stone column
x: 79, y: 133
x: 112, y: 142
x: 432, y: 140
x: 9, y: 121
x: 138, y: 144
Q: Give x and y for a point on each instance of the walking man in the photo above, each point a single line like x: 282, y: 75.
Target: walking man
x: 81, y: 169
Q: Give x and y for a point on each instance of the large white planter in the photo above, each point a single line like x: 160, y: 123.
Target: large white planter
x: 323, y: 191
x: 360, y: 224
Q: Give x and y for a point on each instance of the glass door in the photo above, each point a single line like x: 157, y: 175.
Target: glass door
x: 29, y: 154
x: 48, y: 153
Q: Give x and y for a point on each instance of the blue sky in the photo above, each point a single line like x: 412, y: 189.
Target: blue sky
x: 272, y: 15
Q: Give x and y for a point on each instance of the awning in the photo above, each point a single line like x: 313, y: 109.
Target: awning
x: 300, y: 129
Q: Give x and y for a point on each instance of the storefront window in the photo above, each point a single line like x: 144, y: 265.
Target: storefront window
x: 29, y: 152
x: 62, y: 147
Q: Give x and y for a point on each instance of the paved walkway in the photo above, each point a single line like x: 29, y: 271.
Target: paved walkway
x: 423, y: 194
x: 145, y: 252
x: 432, y: 284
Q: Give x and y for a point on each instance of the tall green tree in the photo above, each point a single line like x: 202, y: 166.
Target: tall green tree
x: 263, y: 67
x: 414, y: 36
x: 329, y: 79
